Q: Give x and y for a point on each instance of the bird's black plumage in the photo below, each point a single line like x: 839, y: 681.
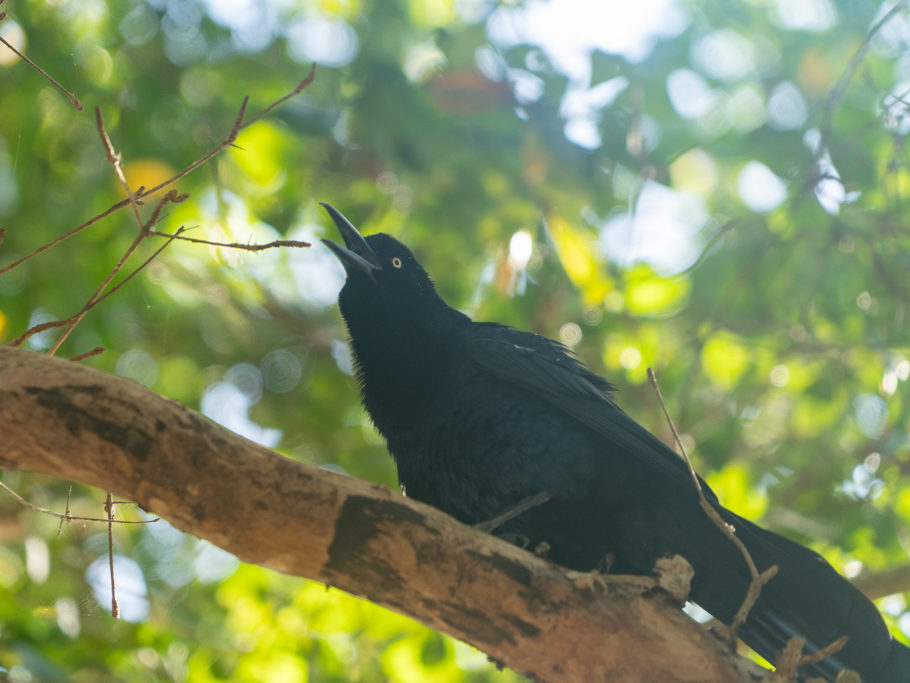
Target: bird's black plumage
x: 479, y: 416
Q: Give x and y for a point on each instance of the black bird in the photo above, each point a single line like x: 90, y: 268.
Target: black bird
x: 480, y: 416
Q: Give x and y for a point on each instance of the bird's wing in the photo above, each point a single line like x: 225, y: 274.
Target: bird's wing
x: 548, y: 369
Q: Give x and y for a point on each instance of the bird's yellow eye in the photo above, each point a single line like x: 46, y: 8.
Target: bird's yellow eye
x: 396, y: 262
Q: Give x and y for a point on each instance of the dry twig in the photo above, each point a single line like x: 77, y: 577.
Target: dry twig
x: 98, y: 296
x: 88, y: 354
x: 67, y: 517
x: 758, y: 579
x: 143, y: 192
x: 109, y: 509
x: 114, y: 160
x: 235, y: 245
x: 69, y: 494
x: 520, y: 507
x: 72, y: 98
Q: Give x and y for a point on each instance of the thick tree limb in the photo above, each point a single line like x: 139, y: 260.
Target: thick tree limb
x: 886, y: 582
x: 76, y: 423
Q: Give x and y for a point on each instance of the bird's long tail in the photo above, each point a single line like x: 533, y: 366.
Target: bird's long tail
x: 809, y: 598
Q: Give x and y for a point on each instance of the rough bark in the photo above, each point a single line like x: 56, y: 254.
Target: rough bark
x: 79, y: 424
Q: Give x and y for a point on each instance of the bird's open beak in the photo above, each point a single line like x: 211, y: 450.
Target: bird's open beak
x: 356, y: 254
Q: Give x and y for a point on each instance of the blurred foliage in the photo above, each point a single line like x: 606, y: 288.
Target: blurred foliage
x: 719, y: 195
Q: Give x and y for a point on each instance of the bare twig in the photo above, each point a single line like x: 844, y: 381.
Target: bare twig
x: 66, y: 516
x: 832, y: 648
x: 109, y: 509
x: 96, y: 299
x: 235, y: 245
x: 2, y: 235
x: 69, y: 493
x: 97, y: 296
x: 72, y: 98
x: 143, y: 192
x: 791, y: 658
x: 758, y: 579
x: 229, y: 139
x: 787, y: 661
x: 35, y: 329
x: 521, y: 506
x: 79, y: 228
x: 88, y: 354
x: 303, y: 85
x: 136, y: 271
x: 114, y: 159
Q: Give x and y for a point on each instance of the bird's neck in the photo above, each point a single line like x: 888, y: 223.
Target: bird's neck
x: 402, y: 368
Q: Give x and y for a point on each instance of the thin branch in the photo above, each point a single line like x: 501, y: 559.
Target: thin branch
x: 67, y: 516
x: 69, y: 493
x: 235, y: 245
x: 73, y: 320
x: 35, y: 329
x: 830, y: 649
x: 758, y: 579
x: 2, y: 235
x: 88, y: 354
x: 238, y: 126
x: 114, y: 159
x: 138, y: 269
x: 79, y: 228
x: 520, y: 507
x: 142, y: 192
x: 303, y: 85
x: 791, y: 658
x: 109, y: 508
x: 98, y: 297
x: 72, y: 98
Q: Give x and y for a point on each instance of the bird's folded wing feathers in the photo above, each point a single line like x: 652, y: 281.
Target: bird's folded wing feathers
x: 549, y: 370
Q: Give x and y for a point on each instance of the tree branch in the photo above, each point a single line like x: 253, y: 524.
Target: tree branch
x: 74, y: 422
x: 886, y: 582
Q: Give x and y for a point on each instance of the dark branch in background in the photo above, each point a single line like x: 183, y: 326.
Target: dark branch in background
x: 837, y: 92
x: 143, y: 192
x: 758, y: 579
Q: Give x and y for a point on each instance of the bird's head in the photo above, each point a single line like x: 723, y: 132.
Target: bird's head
x: 385, y: 286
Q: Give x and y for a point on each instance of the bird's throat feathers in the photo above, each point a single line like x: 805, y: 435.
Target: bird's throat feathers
x: 396, y: 352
